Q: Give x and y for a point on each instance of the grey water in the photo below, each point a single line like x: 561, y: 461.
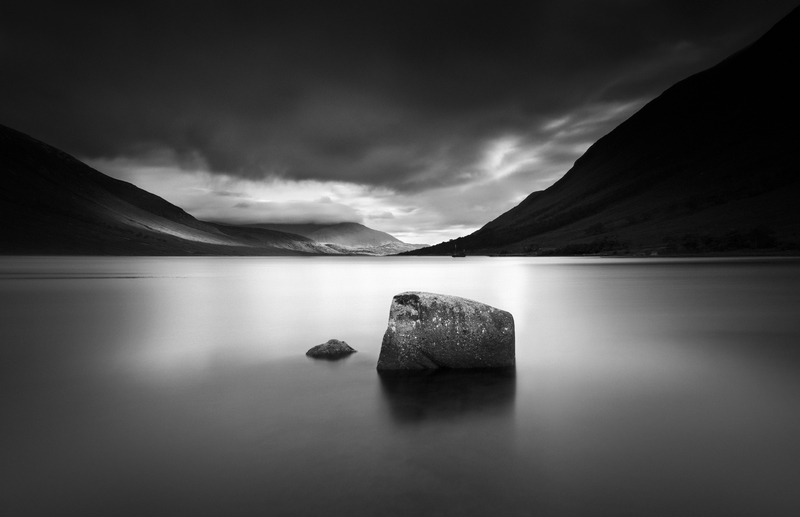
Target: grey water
x: 179, y: 386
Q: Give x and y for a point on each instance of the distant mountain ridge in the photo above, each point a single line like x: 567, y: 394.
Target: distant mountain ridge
x: 51, y: 203
x: 709, y: 165
x: 353, y: 238
x: 345, y: 234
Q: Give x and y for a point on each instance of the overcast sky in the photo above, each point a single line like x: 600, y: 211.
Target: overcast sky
x: 424, y: 119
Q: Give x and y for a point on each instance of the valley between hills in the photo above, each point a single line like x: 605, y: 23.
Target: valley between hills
x: 708, y: 167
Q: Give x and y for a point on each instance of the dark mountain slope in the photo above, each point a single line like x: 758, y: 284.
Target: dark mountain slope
x: 714, y: 157
x: 51, y: 203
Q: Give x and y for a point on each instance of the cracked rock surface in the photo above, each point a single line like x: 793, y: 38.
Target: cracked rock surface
x: 428, y: 330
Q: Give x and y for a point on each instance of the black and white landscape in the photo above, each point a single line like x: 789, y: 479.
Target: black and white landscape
x: 400, y: 258
x: 707, y: 166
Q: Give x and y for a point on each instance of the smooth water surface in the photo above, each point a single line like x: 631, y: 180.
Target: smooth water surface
x: 179, y: 386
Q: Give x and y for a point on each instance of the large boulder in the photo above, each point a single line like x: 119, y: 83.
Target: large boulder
x: 332, y: 349
x: 428, y: 330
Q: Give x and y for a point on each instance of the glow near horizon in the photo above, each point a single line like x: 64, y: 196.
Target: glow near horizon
x: 509, y: 169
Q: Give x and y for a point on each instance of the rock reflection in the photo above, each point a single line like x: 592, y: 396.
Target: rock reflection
x: 417, y: 396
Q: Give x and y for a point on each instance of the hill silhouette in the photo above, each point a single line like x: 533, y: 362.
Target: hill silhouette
x: 709, y: 165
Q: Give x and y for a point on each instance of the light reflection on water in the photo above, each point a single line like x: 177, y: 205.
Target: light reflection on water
x: 179, y: 386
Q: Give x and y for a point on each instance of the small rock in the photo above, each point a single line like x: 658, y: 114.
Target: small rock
x: 333, y: 349
x: 428, y: 330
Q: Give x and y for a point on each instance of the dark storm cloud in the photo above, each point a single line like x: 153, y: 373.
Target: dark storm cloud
x: 403, y: 94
